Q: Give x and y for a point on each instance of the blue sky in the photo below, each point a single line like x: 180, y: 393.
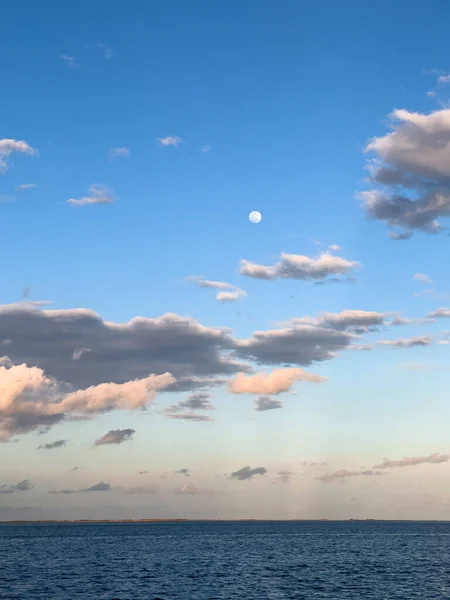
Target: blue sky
x: 270, y: 106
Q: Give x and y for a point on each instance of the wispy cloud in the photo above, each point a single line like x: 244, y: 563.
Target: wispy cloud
x: 192, y: 490
x: 53, y: 445
x: 343, y: 474
x: 423, y: 278
x: 206, y: 148
x: 107, y: 52
x: 170, y: 140
x: 284, y: 476
x: 99, y: 194
x: 227, y: 291
x: 184, y: 471
x: 411, y: 461
x: 118, y: 153
x: 71, y: 61
x: 115, y: 436
x: 26, y: 186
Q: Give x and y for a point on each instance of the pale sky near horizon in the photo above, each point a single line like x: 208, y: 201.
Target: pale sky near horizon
x: 161, y: 355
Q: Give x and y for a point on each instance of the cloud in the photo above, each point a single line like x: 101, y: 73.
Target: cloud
x: 118, y: 153
x: 295, y: 266
x: 102, y: 486
x: 107, y: 52
x: 443, y: 79
x: 194, y: 354
x: 343, y: 474
x: 22, y: 486
x: 189, y: 417
x: 115, y: 436
x: 183, y: 472
x: 8, y: 146
x: 196, y: 401
x: 406, y: 342
x: 99, y: 194
x: 284, y: 476
x: 74, y: 469
x: 246, y: 473
x: 206, y: 148
x: 78, y: 352
x: 153, y: 488
x: 71, y: 61
x: 301, y: 344
x: 170, y: 140
x: 227, y: 293
x: 439, y: 313
x: 53, y: 445
x: 412, y: 171
x: 275, y: 382
x: 264, y: 403
x: 25, y: 186
x: 423, y: 278
x: 193, y: 490
x: 412, y: 461
x: 29, y: 399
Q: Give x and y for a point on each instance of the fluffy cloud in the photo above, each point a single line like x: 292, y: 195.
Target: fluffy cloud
x: 98, y: 194
x: 170, y: 140
x: 227, y: 292
x: 275, y: 382
x: 343, y: 474
x: 264, y: 403
x: 115, y: 436
x: 47, y: 339
x: 22, y: 486
x: 8, y: 146
x: 53, y: 445
x: 296, y: 266
x: 118, y: 153
x: 423, y: 278
x: 29, y: 399
x: 411, y: 461
x: 247, y: 473
x: 439, y: 313
x: 412, y: 168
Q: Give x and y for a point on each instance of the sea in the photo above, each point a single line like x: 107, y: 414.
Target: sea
x: 352, y: 560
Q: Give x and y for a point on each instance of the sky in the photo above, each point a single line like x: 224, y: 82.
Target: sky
x: 162, y: 356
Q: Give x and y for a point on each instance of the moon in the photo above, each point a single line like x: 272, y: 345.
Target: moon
x: 255, y: 216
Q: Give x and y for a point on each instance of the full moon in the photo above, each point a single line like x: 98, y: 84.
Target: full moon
x: 255, y: 216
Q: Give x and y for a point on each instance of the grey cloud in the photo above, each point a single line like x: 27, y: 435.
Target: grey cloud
x: 115, y: 436
x: 398, y: 236
x: 196, y: 401
x: 412, y: 167
x: 343, y: 474
x: 411, y: 461
x: 284, y: 476
x: 227, y: 291
x: 264, y: 403
x: 143, y: 472
x: 183, y: 472
x: 149, y: 489
x: 406, y: 342
x: 336, y: 280
x: 190, y: 417
x: 295, y: 266
x: 46, y: 339
x: 74, y: 469
x: 22, y: 486
x: 53, y: 445
x: 306, y: 463
x: 247, y: 473
x: 102, y: 486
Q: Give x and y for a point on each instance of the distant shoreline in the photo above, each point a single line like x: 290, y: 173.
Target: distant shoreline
x: 131, y: 521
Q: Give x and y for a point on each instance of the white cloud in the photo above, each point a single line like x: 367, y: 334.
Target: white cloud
x: 295, y: 266
x: 206, y: 148
x: 71, y: 61
x: 107, y: 52
x: 423, y: 278
x: 99, y: 194
x: 118, y: 153
x: 443, y: 79
x: 170, y: 140
x: 8, y: 146
x: 25, y: 186
x: 227, y: 293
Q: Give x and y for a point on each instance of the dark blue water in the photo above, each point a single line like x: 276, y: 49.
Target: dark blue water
x: 196, y: 561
